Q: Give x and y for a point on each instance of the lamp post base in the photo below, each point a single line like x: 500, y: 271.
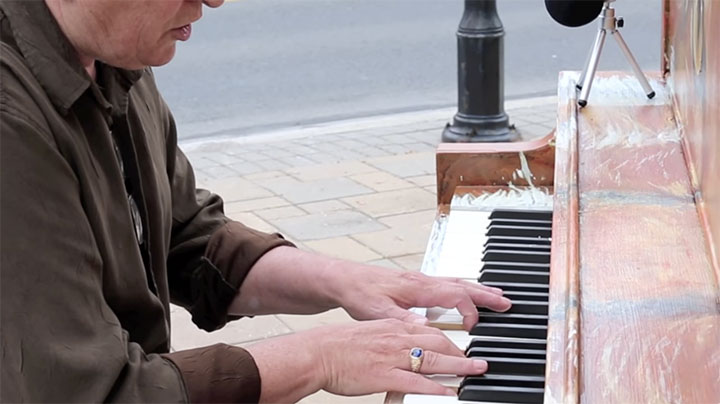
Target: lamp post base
x: 465, y: 129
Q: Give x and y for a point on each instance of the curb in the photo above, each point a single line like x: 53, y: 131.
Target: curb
x: 350, y: 125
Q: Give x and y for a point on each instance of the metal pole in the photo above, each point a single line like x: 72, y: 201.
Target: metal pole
x: 481, y: 115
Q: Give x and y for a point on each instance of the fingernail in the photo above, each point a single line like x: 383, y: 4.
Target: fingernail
x: 506, y: 301
x: 450, y: 392
x: 480, y: 365
x: 421, y: 321
x: 497, y: 291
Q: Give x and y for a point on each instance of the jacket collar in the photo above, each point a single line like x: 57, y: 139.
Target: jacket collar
x: 50, y: 56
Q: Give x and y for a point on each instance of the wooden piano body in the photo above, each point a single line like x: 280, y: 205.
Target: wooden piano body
x: 634, y: 310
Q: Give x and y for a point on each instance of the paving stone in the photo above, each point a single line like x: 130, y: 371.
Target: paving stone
x: 350, y: 144
x: 253, y: 221
x: 323, y: 158
x: 345, y: 154
x: 423, y: 180
x: 201, y: 161
x: 412, y: 262
x: 186, y: 335
x: 236, y: 189
x: 246, y: 167
x: 409, y: 219
x: 255, y: 204
x: 252, y: 156
x: 408, y: 165
x: 432, y: 189
x: 533, y: 131
x: 393, y: 202
x: 330, y: 170
x: 343, y: 247
x: 371, y: 151
x: 381, y: 181
x: 220, y: 172
x: 264, y: 175
x: 324, y: 206
x: 397, y: 241
x: 299, y: 161
x: 400, y: 139
x: 306, y: 322
x: 272, y: 164
x: 279, y: 213
x: 312, y: 191
x: 326, y: 225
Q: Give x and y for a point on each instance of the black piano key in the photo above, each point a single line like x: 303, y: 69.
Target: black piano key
x: 517, y: 247
x: 501, y: 394
x: 506, y: 353
x: 519, y: 286
x: 502, y: 275
x: 524, y: 307
x: 513, y: 343
x: 528, y: 296
x: 521, y: 214
x: 504, y: 380
x: 516, y: 266
x: 517, y: 256
x: 517, y: 240
x: 515, y: 366
x: 522, y: 222
x: 512, y: 318
x: 510, y: 330
x: 519, y: 231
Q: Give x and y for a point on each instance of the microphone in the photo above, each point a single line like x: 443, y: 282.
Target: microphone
x: 574, y: 13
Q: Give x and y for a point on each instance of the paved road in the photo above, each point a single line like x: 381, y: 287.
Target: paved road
x: 255, y: 65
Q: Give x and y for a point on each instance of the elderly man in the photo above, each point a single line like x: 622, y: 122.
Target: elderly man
x: 102, y: 227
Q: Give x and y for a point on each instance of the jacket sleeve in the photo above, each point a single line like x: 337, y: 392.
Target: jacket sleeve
x: 60, y: 340
x: 210, y: 255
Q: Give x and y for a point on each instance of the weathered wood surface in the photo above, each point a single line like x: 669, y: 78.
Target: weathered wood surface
x: 493, y: 164
x: 692, y: 46
x: 648, y: 328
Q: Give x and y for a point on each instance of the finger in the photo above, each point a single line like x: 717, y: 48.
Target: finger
x: 436, y: 343
x: 489, y: 300
x: 450, y: 296
x: 408, y: 382
x: 474, y: 284
x: 437, y: 363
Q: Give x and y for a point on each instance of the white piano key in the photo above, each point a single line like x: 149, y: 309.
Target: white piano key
x: 444, y: 318
x: 432, y: 399
x: 461, y: 339
x: 462, y: 246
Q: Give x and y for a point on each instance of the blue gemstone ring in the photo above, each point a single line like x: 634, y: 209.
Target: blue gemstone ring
x: 416, y: 359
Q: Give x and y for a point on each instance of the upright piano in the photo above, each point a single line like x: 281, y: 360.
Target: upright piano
x: 605, y: 235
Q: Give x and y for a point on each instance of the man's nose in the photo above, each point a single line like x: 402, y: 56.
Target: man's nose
x: 213, y: 3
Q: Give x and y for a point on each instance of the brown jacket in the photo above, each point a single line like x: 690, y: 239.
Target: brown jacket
x: 85, y: 301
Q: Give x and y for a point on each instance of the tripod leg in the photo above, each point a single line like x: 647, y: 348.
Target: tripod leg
x: 634, y: 64
x: 592, y: 66
x: 598, y: 38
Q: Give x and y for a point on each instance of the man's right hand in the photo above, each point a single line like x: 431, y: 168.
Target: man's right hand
x: 357, y: 359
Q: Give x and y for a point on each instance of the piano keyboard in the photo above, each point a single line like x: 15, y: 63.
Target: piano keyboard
x: 516, y: 258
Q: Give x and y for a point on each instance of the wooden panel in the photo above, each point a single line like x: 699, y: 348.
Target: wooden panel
x: 692, y: 47
x: 522, y: 163
x: 562, y: 373
x: 650, y: 327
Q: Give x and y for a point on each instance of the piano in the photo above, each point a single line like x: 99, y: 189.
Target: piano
x: 605, y: 235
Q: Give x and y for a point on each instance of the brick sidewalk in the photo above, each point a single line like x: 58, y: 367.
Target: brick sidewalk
x: 362, y: 190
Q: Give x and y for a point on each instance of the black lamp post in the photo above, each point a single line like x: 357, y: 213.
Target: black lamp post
x: 481, y: 114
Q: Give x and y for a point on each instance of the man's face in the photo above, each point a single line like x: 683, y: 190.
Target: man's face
x: 132, y: 33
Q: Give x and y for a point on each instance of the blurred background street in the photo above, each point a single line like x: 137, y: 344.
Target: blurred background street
x: 253, y: 66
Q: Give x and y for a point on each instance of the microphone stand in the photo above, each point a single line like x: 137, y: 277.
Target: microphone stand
x: 608, y: 22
